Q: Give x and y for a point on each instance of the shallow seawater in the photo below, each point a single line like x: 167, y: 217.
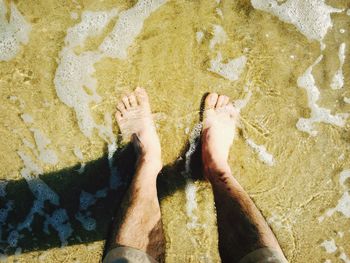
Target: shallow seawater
x: 64, y: 169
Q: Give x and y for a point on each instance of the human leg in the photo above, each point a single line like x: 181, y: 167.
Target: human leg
x: 138, y: 223
x: 242, y: 228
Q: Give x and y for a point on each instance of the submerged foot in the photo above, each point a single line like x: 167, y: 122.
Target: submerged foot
x: 219, y: 125
x: 135, y: 121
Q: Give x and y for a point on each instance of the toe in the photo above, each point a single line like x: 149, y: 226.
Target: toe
x: 125, y: 100
x: 226, y: 101
x: 210, y: 100
x: 141, y: 96
x: 220, y: 101
x: 118, y: 116
x: 121, y: 107
x: 132, y: 100
x: 234, y: 113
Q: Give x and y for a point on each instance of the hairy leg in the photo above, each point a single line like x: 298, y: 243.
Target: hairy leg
x: 138, y: 223
x: 242, y: 228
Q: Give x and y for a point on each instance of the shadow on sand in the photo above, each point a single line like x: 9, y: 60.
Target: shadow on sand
x: 68, y: 184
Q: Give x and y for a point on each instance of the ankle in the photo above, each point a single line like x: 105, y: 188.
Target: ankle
x: 213, y: 170
x: 150, y: 163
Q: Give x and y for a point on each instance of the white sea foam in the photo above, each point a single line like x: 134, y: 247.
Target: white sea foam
x: 263, y: 155
x: 75, y: 85
x: 42, y: 194
x: 344, y: 175
x: 219, y: 12
x: 18, y: 251
x: 343, y: 205
x: 318, y: 114
x: 59, y: 220
x: 78, y: 153
x: 45, y: 155
x: 329, y: 246
x: 114, y: 180
x: 3, y: 188
x: 86, y: 220
x: 199, y: 36
x: 4, y: 212
x: 13, y: 33
x: 191, y: 189
x: 219, y: 36
x: 312, y: 18
x: 27, y: 118
x: 191, y: 203
x: 30, y: 167
x: 106, y: 132
x: 277, y: 221
x: 230, y: 70
x: 128, y: 26
x: 82, y: 168
x: 13, y: 98
x: 241, y: 103
x: 338, y: 78
x: 91, y: 25
x: 344, y: 257
x: 74, y: 74
x: 74, y: 15
x: 87, y: 200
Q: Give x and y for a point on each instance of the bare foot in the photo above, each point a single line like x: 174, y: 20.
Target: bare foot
x: 219, y: 125
x: 135, y: 121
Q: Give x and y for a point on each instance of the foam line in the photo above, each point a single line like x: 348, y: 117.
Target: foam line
x: 343, y: 205
x: 344, y: 175
x: 191, y: 189
x: 242, y: 103
x: 318, y: 114
x: 263, y: 155
x: 329, y: 246
x: 127, y: 28
x: 3, y: 188
x: 312, y: 18
x: 42, y: 193
x: 230, y: 70
x: 13, y: 33
x: 86, y: 201
x: 45, y: 155
x: 75, y: 72
x: 219, y: 36
x: 199, y: 36
x: 338, y: 78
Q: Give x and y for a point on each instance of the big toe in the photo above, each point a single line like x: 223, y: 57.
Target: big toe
x: 210, y: 101
x: 132, y: 100
x: 141, y: 96
x: 222, y: 101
